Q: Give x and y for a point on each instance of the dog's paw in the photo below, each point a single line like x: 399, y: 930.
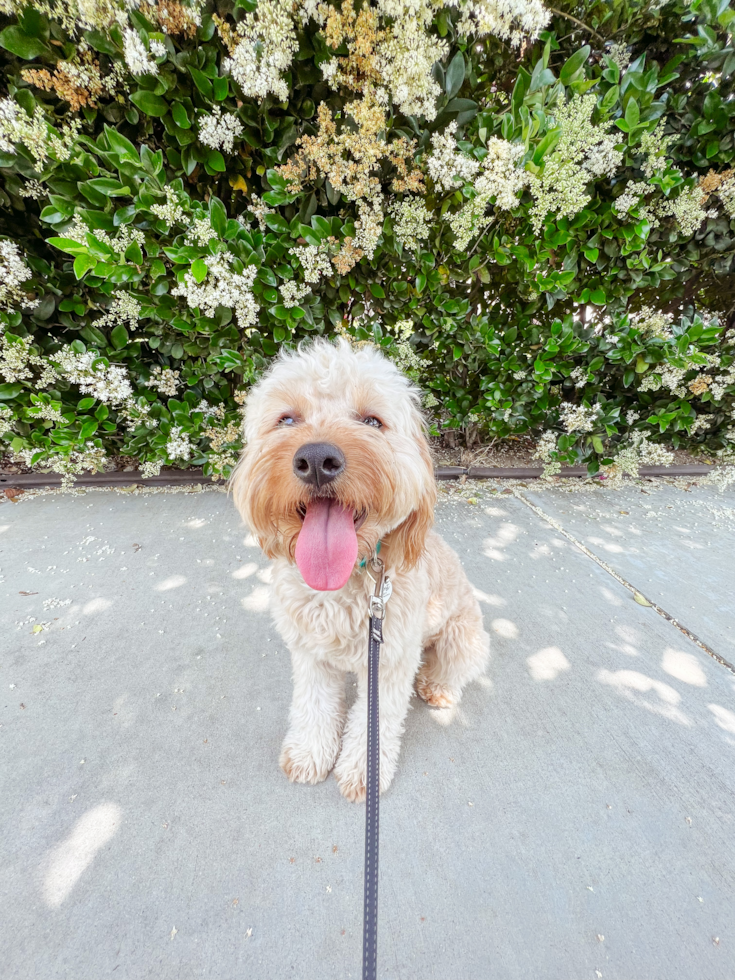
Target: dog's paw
x: 351, y: 786
x: 434, y: 694
x: 301, y: 766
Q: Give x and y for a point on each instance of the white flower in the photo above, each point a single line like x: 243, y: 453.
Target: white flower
x: 578, y: 418
x: 511, y: 20
x: 411, y: 221
x: 157, y: 48
x: 164, y: 380
x: 221, y: 287
x: 268, y: 43
x: 293, y: 292
x: 109, y: 384
x: 405, y: 59
x: 171, y: 212
x: 259, y: 209
x: 136, y: 57
x: 447, y: 167
x: 178, y: 445
x: 220, y: 130
x: 313, y: 260
x: 13, y: 272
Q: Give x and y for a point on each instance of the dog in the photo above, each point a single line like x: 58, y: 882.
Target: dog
x: 336, y: 464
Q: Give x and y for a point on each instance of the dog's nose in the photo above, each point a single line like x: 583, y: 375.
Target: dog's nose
x: 318, y: 463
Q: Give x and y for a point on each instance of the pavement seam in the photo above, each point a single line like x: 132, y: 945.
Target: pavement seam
x: 618, y: 578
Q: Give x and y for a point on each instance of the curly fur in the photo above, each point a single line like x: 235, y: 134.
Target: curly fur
x: 433, y: 627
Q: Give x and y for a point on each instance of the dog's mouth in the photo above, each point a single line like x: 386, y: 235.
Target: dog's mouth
x: 326, y: 548
x: 358, y: 516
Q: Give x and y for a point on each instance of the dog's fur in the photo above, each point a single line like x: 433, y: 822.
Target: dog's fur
x: 433, y: 624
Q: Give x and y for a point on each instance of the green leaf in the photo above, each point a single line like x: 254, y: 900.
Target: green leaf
x: 277, y: 223
x: 199, y: 270
x: 119, y: 336
x: 68, y: 245
x: 84, y: 403
x: 632, y: 114
x: 597, y: 443
x: 150, y: 104
x: 377, y: 290
x: 216, y: 161
x: 9, y: 391
x: 598, y: 297
x: 221, y: 88
x: 455, y: 75
x: 572, y: 65
x: 82, y: 264
x: 180, y: 115
x: 15, y: 40
x: 202, y: 82
x: 217, y: 216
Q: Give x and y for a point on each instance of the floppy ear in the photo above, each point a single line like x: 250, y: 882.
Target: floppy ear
x: 405, y: 544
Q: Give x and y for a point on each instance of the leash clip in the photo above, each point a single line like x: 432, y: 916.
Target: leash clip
x: 383, y: 587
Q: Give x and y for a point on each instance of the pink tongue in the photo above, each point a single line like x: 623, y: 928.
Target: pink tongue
x: 326, y: 550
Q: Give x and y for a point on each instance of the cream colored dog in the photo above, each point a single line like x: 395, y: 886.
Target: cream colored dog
x: 337, y: 461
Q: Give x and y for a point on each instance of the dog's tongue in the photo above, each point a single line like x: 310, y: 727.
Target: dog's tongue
x: 326, y: 549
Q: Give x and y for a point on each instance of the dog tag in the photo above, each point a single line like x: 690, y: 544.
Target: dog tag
x: 387, y: 589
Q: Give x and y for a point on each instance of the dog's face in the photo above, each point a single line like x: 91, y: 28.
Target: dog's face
x: 336, y: 460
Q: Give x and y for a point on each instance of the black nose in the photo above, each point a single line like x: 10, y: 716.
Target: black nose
x: 318, y: 463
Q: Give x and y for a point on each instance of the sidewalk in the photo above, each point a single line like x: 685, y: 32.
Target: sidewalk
x: 573, y: 818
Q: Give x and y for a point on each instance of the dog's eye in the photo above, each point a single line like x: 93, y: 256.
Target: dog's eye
x: 287, y: 420
x: 371, y: 420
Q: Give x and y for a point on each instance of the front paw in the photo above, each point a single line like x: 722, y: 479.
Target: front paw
x: 350, y: 775
x: 303, y: 763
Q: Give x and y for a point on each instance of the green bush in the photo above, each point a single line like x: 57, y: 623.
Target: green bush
x: 531, y: 211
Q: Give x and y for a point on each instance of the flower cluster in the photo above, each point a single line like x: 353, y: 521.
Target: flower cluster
x: 219, y: 130
x: 501, y: 178
x: 126, y: 235
x: 578, y: 418
x: 261, y: 49
x: 292, y: 293
x: 511, y: 20
x: 411, y: 221
x: 136, y: 55
x: 259, y: 209
x: 16, y: 126
x: 314, y: 260
x: 109, y: 383
x: 7, y: 417
x: 124, y: 309
x: 13, y: 273
x: 652, y: 322
x: 171, y: 212
x: 17, y: 356
x: 178, y: 445
x: 446, y: 166
x: 221, y: 287
x: 640, y: 452
x: 545, y: 446
x: 79, y: 81
x: 164, y: 380
x: 584, y: 151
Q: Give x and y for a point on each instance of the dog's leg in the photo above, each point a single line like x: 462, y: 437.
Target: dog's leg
x: 315, y: 720
x: 396, y: 688
x: 458, y: 655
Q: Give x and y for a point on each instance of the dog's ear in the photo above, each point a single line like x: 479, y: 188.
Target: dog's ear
x: 405, y: 544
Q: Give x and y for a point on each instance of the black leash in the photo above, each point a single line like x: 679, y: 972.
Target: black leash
x: 378, y: 600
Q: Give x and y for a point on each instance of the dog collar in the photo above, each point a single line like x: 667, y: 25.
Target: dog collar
x: 363, y: 563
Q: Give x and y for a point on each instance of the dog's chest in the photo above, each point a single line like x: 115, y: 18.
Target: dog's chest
x: 330, y: 625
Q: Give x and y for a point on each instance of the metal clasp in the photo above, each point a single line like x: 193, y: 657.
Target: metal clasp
x: 383, y: 587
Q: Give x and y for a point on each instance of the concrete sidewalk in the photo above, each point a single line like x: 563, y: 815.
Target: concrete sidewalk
x: 573, y: 818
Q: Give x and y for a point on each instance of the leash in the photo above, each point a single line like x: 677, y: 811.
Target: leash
x: 383, y: 590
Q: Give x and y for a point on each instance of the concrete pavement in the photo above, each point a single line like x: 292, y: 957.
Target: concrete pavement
x: 573, y: 818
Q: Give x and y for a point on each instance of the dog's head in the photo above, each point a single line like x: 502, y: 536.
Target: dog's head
x: 336, y: 460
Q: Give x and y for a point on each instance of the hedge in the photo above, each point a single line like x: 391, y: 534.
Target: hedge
x: 531, y: 209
